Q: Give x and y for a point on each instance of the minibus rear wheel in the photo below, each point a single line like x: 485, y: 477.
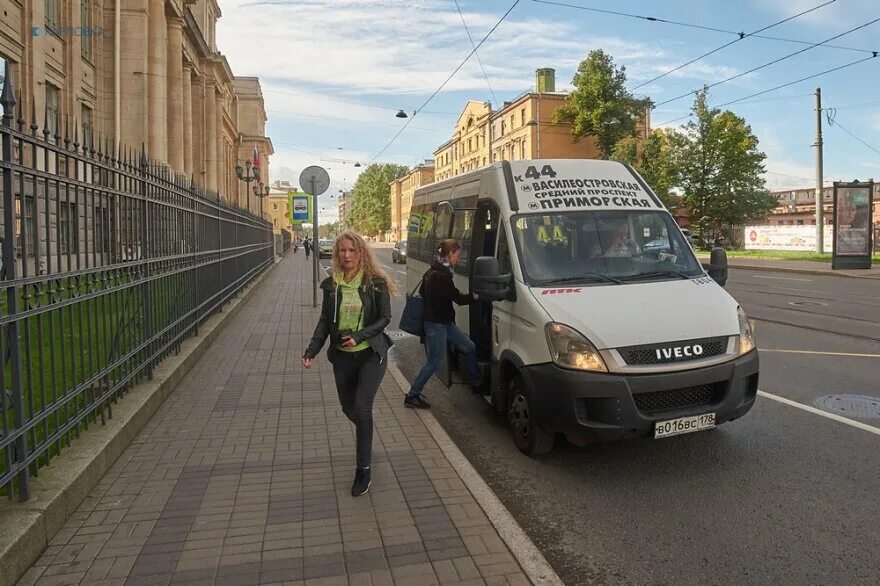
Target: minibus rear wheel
x: 529, y: 437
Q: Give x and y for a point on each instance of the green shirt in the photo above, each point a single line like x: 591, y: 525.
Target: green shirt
x: 351, y: 314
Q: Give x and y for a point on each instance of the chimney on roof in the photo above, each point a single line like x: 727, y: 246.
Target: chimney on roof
x: 545, y: 80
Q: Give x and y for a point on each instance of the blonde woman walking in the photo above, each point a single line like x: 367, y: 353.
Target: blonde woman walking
x: 355, y: 311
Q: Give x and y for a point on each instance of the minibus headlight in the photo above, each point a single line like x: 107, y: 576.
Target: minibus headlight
x: 746, y: 336
x: 570, y: 349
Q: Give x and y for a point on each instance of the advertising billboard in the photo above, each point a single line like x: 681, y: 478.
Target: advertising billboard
x: 853, y: 204
x: 786, y: 238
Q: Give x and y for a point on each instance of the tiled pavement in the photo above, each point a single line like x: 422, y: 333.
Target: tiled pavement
x: 243, y: 477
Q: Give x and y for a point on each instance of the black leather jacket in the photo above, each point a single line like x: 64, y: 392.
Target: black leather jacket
x: 377, y: 315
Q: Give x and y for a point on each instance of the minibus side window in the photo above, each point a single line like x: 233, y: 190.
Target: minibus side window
x: 442, y: 228
x: 462, y: 229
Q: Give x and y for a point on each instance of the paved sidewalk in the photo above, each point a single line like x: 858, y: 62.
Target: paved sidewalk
x: 243, y: 477
x: 797, y: 266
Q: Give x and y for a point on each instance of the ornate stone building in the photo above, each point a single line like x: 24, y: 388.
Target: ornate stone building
x: 140, y: 73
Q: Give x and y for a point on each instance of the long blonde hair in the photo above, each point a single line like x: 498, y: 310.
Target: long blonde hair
x: 371, y: 268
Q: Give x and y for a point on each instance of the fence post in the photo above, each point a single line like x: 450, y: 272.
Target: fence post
x: 146, y: 255
x: 7, y: 99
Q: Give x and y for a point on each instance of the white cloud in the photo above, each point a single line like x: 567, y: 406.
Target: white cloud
x: 833, y: 14
x: 394, y: 47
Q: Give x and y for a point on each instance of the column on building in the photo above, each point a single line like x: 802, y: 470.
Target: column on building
x: 211, y: 135
x: 157, y: 82
x: 187, y: 120
x: 197, y: 123
x: 220, y: 148
x: 175, y: 93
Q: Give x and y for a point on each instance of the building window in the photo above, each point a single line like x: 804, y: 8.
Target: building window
x: 52, y: 107
x: 503, y: 128
x: 68, y: 238
x: 53, y: 14
x: 86, y: 24
x: 30, y: 225
x: 86, y: 121
x: 522, y: 117
x: 102, y: 230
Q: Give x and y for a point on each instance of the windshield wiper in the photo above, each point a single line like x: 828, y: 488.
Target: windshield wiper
x: 581, y: 277
x: 653, y: 274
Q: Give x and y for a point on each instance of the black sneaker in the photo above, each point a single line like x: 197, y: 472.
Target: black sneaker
x: 361, y: 482
x: 416, y: 403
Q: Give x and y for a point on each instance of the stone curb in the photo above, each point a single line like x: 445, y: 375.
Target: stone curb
x: 527, y: 554
x: 27, y: 528
x: 784, y: 269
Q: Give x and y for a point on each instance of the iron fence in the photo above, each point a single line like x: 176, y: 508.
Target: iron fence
x: 285, y: 241
x: 108, y: 262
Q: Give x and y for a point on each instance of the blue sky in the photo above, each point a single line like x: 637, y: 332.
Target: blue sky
x: 334, y: 72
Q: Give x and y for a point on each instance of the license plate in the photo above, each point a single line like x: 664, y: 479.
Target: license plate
x: 684, y: 425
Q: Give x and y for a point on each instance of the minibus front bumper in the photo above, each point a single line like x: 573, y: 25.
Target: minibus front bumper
x: 606, y: 407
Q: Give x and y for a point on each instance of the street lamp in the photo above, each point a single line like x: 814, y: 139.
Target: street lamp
x: 245, y: 175
x: 401, y: 114
x: 261, y: 191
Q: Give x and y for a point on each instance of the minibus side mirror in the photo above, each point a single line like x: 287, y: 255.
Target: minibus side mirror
x: 717, y: 266
x: 487, y: 281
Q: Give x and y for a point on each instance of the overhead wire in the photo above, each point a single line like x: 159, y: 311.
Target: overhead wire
x: 775, y: 61
x: 352, y: 102
x: 778, y: 87
x: 476, y: 53
x: 831, y: 114
x: 694, y: 26
x: 741, y: 37
x: 451, y: 75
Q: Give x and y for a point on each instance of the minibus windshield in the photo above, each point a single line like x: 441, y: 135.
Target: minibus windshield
x: 603, y: 247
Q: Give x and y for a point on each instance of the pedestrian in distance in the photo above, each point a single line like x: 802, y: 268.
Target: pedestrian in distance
x: 308, y: 247
x: 439, y: 292
x: 355, y: 311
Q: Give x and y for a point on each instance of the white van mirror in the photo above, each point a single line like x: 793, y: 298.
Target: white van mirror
x: 717, y: 266
x: 487, y: 282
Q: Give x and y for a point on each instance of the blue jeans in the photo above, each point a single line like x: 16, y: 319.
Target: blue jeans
x: 436, y: 338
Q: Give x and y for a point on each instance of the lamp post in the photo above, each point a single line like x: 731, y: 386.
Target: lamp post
x: 247, y: 174
x: 261, y: 191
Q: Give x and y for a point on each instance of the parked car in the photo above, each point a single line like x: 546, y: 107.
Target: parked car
x: 398, y: 253
x: 695, y: 241
x: 325, y: 246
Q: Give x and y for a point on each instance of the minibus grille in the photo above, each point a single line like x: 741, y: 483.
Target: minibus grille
x: 664, y: 353
x: 679, y: 398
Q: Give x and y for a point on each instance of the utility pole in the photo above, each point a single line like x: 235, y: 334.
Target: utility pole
x: 820, y: 192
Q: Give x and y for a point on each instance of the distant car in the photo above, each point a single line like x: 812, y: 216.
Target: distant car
x: 325, y: 246
x: 398, y: 253
x: 695, y: 241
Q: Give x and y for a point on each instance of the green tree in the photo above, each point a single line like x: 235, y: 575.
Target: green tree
x: 329, y: 230
x: 600, y: 104
x: 721, y: 169
x: 371, y: 198
x: 657, y: 161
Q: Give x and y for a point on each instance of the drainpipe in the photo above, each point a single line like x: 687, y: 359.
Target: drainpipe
x: 117, y: 76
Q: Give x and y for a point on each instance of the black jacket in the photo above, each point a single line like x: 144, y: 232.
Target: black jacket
x: 439, y: 292
x: 377, y: 315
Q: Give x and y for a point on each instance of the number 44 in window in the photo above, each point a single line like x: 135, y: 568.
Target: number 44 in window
x: 546, y: 171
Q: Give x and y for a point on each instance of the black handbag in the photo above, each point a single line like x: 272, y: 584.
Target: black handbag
x: 412, y: 321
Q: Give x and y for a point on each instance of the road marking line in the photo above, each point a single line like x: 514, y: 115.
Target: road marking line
x: 821, y: 353
x: 521, y: 546
x: 815, y: 411
x: 782, y: 278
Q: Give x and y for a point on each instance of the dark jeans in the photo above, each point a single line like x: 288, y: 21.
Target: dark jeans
x: 358, y: 375
x: 437, y: 336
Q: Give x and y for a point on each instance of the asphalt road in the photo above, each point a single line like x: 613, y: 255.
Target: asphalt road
x: 780, y: 496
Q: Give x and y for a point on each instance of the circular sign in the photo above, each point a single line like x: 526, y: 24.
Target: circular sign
x: 753, y: 236
x: 314, y: 180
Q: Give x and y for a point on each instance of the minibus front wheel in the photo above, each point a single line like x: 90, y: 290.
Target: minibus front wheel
x: 529, y: 437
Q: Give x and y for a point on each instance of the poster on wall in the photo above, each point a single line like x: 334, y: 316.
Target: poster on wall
x: 853, y: 204
x: 801, y: 238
